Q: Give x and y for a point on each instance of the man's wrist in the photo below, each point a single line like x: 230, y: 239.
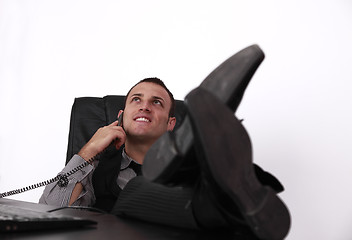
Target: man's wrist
x: 87, y: 152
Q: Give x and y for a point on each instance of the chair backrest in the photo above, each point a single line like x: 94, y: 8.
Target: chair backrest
x: 88, y: 114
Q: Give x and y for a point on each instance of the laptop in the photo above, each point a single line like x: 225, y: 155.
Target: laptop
x: 17, y: 219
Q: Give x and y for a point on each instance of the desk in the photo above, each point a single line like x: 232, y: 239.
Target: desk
x: 108, y: 227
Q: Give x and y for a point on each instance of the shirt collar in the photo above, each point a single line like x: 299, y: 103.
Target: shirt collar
x: 126, y: 160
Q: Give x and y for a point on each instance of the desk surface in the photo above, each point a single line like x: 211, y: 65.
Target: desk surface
x: 108, y: 227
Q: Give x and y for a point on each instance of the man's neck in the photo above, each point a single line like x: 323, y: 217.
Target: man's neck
x: 137, y: 151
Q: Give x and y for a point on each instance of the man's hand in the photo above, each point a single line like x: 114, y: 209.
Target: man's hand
x: 102, y: 138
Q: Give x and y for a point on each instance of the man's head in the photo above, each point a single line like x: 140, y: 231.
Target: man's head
x: 162, y: 84
x: 149, y: 110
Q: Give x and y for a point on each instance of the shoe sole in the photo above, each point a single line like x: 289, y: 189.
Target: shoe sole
x: 224, y: 153
x: 228, y: 82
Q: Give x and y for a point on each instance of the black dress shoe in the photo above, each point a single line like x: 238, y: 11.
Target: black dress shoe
x: 224, y: 154
x: 170, y: 157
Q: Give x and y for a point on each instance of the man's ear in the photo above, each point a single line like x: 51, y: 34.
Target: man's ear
x: 171, y: 123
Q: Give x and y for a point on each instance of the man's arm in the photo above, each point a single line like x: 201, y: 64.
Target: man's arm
x: 98, y: 143
x: 79, y: 190
x: 60, y: 196
x: 75, y: 193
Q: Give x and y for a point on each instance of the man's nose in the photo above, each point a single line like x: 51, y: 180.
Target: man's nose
x: 145, y: 107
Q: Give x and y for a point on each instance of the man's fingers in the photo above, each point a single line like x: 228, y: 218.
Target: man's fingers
x: 114, y: 123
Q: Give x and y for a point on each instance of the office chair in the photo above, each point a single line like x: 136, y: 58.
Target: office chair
x: 88, y: 114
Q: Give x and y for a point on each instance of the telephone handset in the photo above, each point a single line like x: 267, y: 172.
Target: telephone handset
x: 120, y: 119
x: 61, y: 179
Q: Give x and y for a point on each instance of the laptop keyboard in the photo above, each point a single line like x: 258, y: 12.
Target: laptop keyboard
x: 14, y: 219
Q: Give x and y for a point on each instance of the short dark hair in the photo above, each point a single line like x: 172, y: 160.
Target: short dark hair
x: 162, y: 84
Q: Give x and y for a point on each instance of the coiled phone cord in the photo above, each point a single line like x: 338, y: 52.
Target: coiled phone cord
x: 61, y: 179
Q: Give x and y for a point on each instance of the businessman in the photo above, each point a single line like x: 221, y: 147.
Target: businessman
x: 225, y: 193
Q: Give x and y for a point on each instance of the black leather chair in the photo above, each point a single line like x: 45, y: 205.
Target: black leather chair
x: 88, y: 114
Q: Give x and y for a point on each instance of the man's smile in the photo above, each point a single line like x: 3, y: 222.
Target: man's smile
x: 142, y: 119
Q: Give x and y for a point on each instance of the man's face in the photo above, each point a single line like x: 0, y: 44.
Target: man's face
x: 146, y: 114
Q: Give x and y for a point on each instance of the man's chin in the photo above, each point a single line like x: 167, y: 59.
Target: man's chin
x: 145, y: 137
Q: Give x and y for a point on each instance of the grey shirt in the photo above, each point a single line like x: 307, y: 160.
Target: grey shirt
x: 60, y: 196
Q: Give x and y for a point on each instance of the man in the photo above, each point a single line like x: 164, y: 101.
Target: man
x: 226, y: 191
x: 148, y: 111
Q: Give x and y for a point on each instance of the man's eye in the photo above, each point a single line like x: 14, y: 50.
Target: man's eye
x: 157, y: 102
x: 135, y: 99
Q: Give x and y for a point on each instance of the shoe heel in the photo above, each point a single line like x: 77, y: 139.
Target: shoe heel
x: 164, y: 159
x: 272, y: 219
x: 160, y: 159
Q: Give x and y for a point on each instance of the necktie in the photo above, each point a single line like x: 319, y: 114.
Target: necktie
x: 137, y: 168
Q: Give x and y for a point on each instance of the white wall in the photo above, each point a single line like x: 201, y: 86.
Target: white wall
x: 297, y: 109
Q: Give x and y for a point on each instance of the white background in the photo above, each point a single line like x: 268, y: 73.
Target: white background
x: 297, y: 108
